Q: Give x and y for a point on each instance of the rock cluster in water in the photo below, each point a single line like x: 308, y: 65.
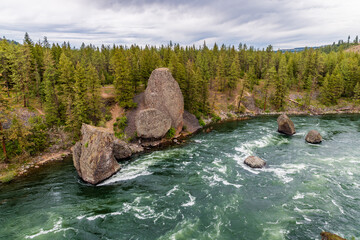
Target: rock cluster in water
x: 254, y: 162
x: 313, y: 137
x: 95, y: 156
x: 285, y: 125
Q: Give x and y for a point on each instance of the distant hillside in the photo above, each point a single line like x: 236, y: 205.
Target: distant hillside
x: 354, y: 49
x: 11, y: 41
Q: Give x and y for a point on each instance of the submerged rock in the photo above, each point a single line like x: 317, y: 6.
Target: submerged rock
x: 330, y: 236
x: 285, y: 125
x: 254, y: 162
x: 152, y: 123
x: 163, y: 93
x: 313, y: 137
x: 93, y: 156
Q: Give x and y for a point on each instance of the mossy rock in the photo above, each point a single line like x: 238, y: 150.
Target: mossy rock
x: 330, y: 236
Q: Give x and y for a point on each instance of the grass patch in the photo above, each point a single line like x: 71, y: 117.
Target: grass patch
x: 119, y: 127
x: 8, y: 176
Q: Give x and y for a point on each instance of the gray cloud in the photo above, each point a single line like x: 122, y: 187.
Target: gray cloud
x: 278, y: 22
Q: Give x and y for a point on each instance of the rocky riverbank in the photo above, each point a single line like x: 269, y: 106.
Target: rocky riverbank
x: 19, y: 170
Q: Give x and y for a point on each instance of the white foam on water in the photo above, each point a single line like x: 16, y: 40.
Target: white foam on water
x: 56, y: 228
x: 225, y: 182
x: 247, y: 148
x: 298, y: 196
x: 170, y: 192
x: 298, y: 209
x: 134, y: 169
x: 221, y: 168
x: 285, y: 170
x: 191, y: 202
x: 338, y: 206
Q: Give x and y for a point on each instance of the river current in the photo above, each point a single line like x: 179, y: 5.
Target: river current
x: 202, y: 189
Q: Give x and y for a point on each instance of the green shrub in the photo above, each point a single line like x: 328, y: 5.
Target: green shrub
x: 171, y: 133
x: 108, y: 117
x: 38, y: 135
x: 215, y: 118
x: 119, y: 127
x: 229, y: 115
x: 201, y: 122
x: 86, y: 144
x: 231, y: 107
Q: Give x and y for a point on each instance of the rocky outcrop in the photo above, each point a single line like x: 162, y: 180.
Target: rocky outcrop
x: 152, y: 123
x: 93, y: 156
x: 191, y: 123
x: 313, y: 137
x: 330, y: 236
x: 254, y: 162
x: 285, y: 125
x: 163, y: 93
x: 121, y: 150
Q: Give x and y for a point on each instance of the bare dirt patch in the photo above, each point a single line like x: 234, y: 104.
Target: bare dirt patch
x: 116, y: 111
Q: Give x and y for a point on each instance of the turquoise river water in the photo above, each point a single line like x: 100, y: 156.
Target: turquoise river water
x: 202, y: 190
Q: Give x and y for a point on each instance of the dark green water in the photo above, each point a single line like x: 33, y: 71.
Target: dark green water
x: 203, y: 190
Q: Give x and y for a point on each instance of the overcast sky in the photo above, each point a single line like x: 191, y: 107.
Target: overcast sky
x: 284, y: 24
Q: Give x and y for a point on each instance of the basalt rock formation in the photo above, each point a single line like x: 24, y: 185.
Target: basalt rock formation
x: 95, y: 156
x: 313, y: 137
x: 285, y: 125
x: 163, y: 93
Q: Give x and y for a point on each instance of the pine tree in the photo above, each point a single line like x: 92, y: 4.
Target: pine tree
x: 52, y: 106
x: 93, y: 86
x: 22, y: 72
x: 271, y: 76
x: 333, y: 87
x: 357, y: 92
x: 80, y: 110
x: 280, y: 87
x: 66, y: 84
x: 4, y: 111
x: 122, y: 82
x: 18, y: 133
x: 234, y: 73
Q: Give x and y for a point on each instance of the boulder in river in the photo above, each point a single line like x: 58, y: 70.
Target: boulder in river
x: 163, y: 93
x: 254, y: 162
x: 93, y: 156
x: 313, y: 137
x: 330, y: 236
x: 152, y: 123
x: 285, y: 125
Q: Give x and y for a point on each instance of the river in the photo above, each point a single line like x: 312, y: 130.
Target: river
x: 202, y: 190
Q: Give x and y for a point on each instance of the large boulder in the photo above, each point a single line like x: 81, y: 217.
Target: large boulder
x: 191, y: 123
x: 254, y: 162
x: 93, y: 156
x: 285, y: 125
x: 313, y: 137
x: 152, y: 123
x: 163, y: 93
